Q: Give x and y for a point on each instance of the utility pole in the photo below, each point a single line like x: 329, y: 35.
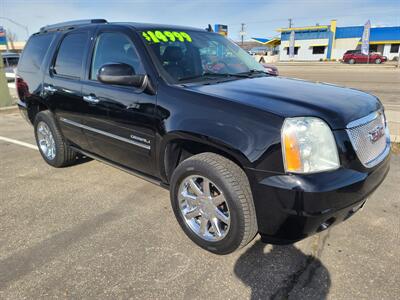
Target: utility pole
x: 290, y: 22
x: 242, y: 33
x: 18, y: 24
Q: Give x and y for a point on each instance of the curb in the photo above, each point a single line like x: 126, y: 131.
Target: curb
x: 9, y: 109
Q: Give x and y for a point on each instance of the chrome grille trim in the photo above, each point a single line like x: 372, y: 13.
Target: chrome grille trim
x: 369, y: 153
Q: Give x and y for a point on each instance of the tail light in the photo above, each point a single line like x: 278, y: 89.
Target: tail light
x: 22, y: 87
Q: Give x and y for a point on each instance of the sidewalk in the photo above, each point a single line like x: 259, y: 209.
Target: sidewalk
x: 393, y: 119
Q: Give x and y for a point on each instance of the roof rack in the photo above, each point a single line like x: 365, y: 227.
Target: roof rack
x: 71, y: 24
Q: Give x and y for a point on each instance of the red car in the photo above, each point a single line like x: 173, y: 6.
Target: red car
x: 355, y: 56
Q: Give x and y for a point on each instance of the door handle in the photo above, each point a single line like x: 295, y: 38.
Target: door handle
x: 50, y: 89
x: 91, y: 99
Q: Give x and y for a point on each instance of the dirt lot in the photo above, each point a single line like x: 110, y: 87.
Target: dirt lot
x: 92, y: 231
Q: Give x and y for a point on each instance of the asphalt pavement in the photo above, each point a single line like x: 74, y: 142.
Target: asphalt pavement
x: 92, y: 231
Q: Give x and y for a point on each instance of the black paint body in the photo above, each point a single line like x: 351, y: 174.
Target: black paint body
x: 240, y: 118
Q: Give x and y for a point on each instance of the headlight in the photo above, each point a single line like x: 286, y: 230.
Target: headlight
x: 308, y: 146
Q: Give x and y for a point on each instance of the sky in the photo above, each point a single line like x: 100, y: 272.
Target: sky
x: 261, y: 18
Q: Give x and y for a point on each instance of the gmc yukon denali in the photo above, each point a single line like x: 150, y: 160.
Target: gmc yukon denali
x: 241, y: 152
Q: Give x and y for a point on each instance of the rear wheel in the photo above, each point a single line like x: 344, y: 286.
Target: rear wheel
x: 50, y: 141
x: 352, y: 61
x: 213, y: 204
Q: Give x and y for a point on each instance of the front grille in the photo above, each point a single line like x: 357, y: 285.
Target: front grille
x: 365, y: 136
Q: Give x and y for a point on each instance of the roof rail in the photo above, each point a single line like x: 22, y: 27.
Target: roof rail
x: 71, y: 24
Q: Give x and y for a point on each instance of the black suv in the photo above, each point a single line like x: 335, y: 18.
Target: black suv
x: 242, y: 152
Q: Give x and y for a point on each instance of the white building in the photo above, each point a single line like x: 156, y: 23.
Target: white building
x: 331, y: 42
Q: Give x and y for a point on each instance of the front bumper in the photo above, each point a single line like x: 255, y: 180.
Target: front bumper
x: 292, y: 207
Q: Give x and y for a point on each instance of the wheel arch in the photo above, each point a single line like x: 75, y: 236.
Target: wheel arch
x: 33, y: 108
x: 178, y: 146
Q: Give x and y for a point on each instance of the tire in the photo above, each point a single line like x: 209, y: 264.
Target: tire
x: 352, y: 61
x: 231, y: 182
x: 378, y: 61
x: 62, y: 155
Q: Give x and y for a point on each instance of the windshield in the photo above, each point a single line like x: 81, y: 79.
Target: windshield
x: 187, y: 56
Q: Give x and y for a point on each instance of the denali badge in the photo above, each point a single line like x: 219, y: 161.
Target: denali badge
x: 140, y: 139
x: 376, y: 133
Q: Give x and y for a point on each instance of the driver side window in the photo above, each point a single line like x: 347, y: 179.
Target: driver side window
x: 114, y: 47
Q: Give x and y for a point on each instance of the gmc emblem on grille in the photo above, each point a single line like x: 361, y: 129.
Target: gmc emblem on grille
x: 375, y: 134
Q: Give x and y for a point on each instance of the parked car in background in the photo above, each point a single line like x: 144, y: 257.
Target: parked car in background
x: 355, y: 56
x: 10, y: 62
x: 270, y: 69
x: 258, y: 51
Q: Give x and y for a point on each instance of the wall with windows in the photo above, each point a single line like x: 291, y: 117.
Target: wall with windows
x: 384, y: 40
x: 391, y: 50
x: 306, y: 49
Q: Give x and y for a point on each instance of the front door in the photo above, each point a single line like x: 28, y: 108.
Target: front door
x: 120, y: 125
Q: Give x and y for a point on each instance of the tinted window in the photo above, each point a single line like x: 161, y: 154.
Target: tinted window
x: 12, y: 61
x: 189, y: 55
x: 70, y: 55
x: 296, y: 50
x: 373, y: 48
x: 352, y: 52
x: 114, y: 48
x: 318, y: 50
x: 394, y: 48
x: 34, y: 52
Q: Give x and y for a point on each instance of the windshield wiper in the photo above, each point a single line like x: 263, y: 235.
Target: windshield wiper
x: 212, y: 74
x: 254, y: 71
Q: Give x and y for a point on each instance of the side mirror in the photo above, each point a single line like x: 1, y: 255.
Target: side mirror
x: 121, y: 74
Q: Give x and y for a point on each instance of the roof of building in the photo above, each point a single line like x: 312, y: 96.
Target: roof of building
x: 377, y: 33
x: 268, y: 42
x: 317, y: 27
x: 260, y: 40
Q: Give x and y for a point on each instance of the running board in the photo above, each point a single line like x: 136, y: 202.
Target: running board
x: 127, y: 170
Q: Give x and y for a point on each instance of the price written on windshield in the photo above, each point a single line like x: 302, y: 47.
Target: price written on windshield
x: 158, y: 36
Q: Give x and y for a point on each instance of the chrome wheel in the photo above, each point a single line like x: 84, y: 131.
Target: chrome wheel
x: 46, y: 140
x: 204, y: 208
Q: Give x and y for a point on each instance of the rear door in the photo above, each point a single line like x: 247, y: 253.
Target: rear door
x: 120, y: 122
x: 62, y: 86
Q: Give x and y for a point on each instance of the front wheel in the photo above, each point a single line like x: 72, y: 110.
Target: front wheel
x: 212, y: 201
x: 378, y: 61
x: 352, y: 61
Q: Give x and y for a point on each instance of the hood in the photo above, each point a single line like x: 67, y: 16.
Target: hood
x: 286, y: 97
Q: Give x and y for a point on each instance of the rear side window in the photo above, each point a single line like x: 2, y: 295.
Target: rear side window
x: 34, y: 52
x: 12, y: 61
x: 70, y: 55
